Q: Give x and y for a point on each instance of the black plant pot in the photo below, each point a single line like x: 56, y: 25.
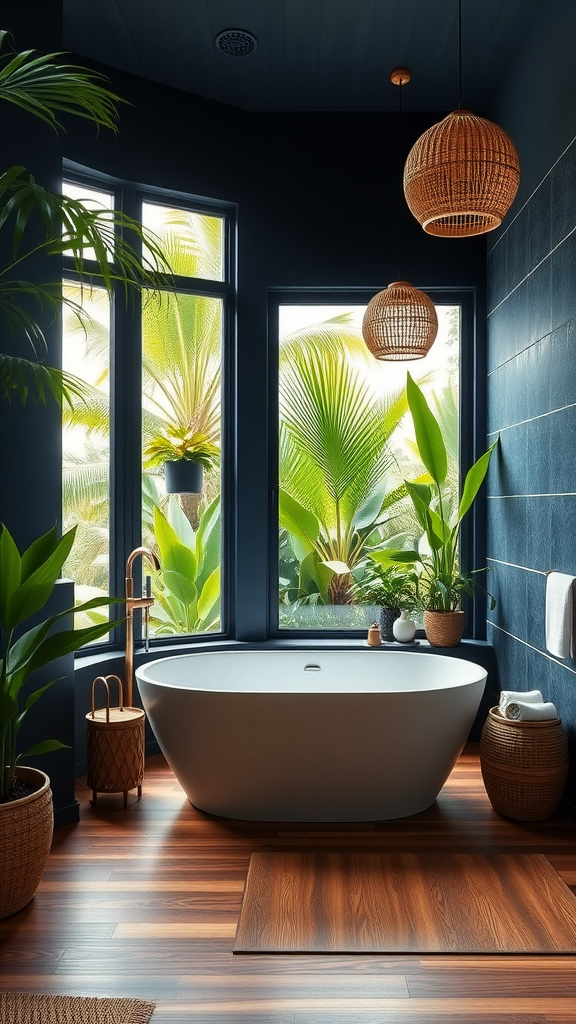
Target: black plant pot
x: 183, y: 477
x: 388, y: 617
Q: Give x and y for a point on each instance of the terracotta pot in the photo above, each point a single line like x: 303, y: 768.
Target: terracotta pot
x: 26, y: 827
x: 444, y: 629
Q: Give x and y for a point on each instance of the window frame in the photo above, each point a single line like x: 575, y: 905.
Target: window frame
x: 472, y: 413
x: 125, y: 477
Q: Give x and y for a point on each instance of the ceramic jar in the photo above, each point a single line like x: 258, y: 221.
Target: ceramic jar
x: 404, y: 628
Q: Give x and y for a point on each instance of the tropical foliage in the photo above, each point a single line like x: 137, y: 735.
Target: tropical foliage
x: 27, y: 581
x: 334, y: 457
x: 44, y: 222
x: 187, y: 587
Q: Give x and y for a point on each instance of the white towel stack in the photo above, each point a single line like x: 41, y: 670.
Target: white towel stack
x: 560, y: 614
x: 526, y: 706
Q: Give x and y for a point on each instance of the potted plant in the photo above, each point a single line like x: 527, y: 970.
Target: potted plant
x: 184, y: 454
x: 441, y: 583
x: 392, y: 588
x: 27, y: 581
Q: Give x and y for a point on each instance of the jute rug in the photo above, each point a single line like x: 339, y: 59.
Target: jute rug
x: 405, y: 903
x: 22, y: 1008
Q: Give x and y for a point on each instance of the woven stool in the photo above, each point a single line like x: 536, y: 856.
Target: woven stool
x: 115, y: 746
x: 524, y: 766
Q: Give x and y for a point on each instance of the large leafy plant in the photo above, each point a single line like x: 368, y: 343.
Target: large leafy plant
x: 48, y: 223
x: 441, y: 582
x: 187, y: 588
x: 27, y: 581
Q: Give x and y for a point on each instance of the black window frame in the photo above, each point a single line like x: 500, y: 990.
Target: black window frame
x: 125, y: 525
x: 472, y: 420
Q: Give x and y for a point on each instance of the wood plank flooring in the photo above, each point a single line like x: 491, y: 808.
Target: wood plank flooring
x: 144, y: 903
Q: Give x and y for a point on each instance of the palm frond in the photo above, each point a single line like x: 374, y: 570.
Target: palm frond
x: 41, y: 85
x: 28, y: 379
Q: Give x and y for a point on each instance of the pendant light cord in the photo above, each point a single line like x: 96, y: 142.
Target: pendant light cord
x: 459, y: 54
x: 400, y: 189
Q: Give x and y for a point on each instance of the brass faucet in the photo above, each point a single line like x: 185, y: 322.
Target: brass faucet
x: 145, y: 602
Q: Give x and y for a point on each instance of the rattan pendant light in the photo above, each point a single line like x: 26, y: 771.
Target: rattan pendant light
x: 462, y: 174
x: 400, y: 323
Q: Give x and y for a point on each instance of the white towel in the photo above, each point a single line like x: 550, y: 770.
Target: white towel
x: 528, y: 697
x: 559, y: 614
x: 518, y: 711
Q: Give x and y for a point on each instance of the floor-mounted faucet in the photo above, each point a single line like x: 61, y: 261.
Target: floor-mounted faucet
x: 145, y: 602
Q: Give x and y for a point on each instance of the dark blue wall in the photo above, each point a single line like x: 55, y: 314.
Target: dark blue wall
x: 532, y: 397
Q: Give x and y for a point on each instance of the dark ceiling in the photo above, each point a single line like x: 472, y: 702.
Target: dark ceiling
x: 331, y: 55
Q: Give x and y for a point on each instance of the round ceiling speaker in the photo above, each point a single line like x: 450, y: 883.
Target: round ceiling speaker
x: 236, y: 42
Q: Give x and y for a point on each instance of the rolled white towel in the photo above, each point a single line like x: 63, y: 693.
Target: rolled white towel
x: 519, y: 711
x: 528, y: 697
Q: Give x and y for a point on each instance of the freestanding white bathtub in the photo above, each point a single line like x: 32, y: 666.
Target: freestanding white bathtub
x: 275, y: 735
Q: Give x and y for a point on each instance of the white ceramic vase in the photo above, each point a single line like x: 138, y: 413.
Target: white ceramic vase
x: 404, y: 628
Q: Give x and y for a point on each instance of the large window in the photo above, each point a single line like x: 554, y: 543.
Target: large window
x: 346, y: 445
x: 154, y: 398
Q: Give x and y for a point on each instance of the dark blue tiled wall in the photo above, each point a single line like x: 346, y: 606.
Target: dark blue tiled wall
x: 531, y: 394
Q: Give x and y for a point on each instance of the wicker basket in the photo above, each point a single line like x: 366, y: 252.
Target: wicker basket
x: 444, y: 629
x: 524, y: 766
x: 26, y: 827
x: 115, y: 746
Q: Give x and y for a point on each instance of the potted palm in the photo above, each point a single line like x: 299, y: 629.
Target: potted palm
x: 392, y: 588
x: 441, y: 582
x: 184, y: 454
x: 27, y: 581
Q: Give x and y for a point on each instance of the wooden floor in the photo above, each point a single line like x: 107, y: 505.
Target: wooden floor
x: 144, y: 903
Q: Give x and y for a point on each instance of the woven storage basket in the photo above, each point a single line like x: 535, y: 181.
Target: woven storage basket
x: 524, y: 766
x: 26, y: 827
x: 444, y: 629
x: 115, y: 746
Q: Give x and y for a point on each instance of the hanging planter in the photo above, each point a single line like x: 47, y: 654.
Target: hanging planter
x: 183, y: 477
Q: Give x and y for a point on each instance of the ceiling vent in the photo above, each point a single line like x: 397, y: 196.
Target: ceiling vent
x: 236, y: 42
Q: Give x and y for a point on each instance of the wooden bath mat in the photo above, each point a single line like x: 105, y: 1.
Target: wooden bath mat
x: 405, y: 903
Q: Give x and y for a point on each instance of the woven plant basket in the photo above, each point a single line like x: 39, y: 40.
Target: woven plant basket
x: 26, y: 827
x: 524, y: 766
x: 114, y: 746
x: 444, y: 629
x: 461, y: 176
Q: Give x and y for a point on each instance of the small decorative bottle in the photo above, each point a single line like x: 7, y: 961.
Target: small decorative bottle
x: 404, y: 628
x: 374, y: 639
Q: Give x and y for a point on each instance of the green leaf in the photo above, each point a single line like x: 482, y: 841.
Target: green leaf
x: 209, y: 594
x: 35, y: 591
x: 10, y: 574
x: 338, y: 568
x: 474, y: 479
x: 428, y: 434
x: 391, y: 556
x: 371, y: 508
x: 174, y: 556
x: 46, y: 747
x: 301, y: 524
x: 181, y: 586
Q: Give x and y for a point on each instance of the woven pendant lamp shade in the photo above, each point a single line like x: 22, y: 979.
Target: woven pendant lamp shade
x: 461, y: 176
x: 400, y: 323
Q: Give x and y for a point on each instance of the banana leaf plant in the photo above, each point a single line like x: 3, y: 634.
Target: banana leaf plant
x: 334, y: 456
x: 27, y: 581
x: 38, y: 221
x: 187, y: 588
x: 441, y: 583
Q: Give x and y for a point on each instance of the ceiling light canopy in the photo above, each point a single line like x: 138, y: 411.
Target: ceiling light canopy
x: 461, y: 176
x: 400, y: 323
